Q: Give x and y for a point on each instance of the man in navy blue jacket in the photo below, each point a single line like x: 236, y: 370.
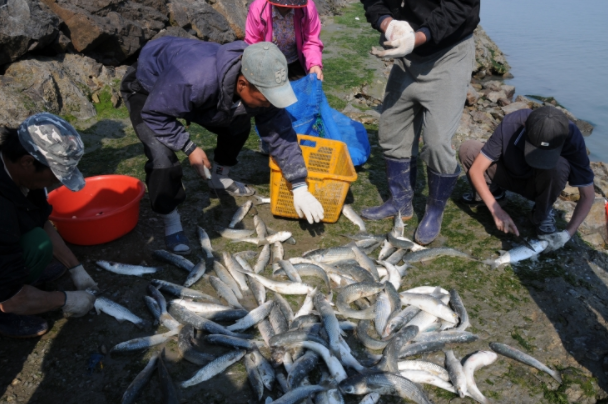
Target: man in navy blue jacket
x: 219, y: 87
x: 534, y: 154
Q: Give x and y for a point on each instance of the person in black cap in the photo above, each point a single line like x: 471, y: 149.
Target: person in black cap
x: 43, y: 151
x: 534, y: 154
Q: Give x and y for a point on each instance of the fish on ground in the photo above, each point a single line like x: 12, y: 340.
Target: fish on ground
x: 126, y: 269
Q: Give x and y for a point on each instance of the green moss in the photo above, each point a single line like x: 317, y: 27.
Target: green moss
x: 105, y: 109
x: 336, y: 102
x: 522, y: 341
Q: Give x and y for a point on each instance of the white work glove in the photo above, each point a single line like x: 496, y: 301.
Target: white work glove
x: 307, y: 205
x: 556, y: 240
x: 400, y: 40
x: 78, y: 303
x: 82, y: 280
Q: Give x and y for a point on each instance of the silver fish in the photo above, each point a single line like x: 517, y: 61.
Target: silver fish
x: 278, y: 320
x: 296, y: 395
x: 165, y: 318
x: 354, y: 292
x: 385, y: 250
x: 395, y: 257
x: 384, y: 382
x: 459, y: 308
x: 363, y: 334
x: 211, y: 311
x: 448, y: 337
x: 428, y: 367
x: 170, y: 394
x: 153, y: 307
x: 518, y: 254
x: 383, y: 311
x: 330, y: 322
x: 519, y: 356
x: 264, y: 368
x: 419, y: 348
x: 371, y: 398
x: 432, y: 253
x: 144, y: 342
x: 286, y: 288
x: 213, y: 368
x: 234, y: 234
x: 230, y: 342
x: 457, y: 377
x: 240, y: 214
x: 195, y: 274
x: 351, y: 215
x: 235, y: 270
x: 330, y: 255
x: 307, y: 305
x: 422, y: 377
x: 398, y: 226
x: 255, y: 316
x: 130, y: 395
x: 174, y: 259
x: 117, y: 311
x: 399, y: 242
x: 263, y: 259
x: 301, y: 368
x: 126, y: 269
x: 290, y: 240
x: 366, y: 262
x: 227, y: 278
x: 188, y: 351
x: 178, y: 290
x: 266, y: 331
x: 474, y: 362
x: 290, y: 271
x: 394, y: 277
x: 185, y: 316
x: 254, y: 376
x: 277, y: 252
x: 205, y: 241
x: 280, y: 236
x: 257, y: 289
x: 399, y: 319
x: 431, y: 305
x: 225, y: 292
x: 260, y: 227
x: 390, y: 355
x: 285, y: 307
x: 336, y: 370
x: 260, y: 200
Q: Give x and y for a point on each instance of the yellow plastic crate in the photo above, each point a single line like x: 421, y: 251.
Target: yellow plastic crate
x: 330, y: 172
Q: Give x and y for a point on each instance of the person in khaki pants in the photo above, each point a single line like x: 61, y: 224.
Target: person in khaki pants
x: 432, y: 45
x: 534, y: 154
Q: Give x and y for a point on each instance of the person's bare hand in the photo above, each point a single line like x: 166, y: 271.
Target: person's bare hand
x: 317, y: 70
x: 198, y: 160
x: 504, y: 222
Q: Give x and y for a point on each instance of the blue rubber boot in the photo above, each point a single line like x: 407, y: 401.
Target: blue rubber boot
x: 440, y: 189
x: 401, y: 177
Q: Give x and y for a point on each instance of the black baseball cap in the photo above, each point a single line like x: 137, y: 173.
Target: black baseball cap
x: 546, y: 131
x: 289, y: 3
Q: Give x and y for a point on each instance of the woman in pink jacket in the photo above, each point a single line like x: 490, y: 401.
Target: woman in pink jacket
x: 294, y: 26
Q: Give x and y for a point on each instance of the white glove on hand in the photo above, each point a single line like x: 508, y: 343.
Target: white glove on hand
x: 82, y: 280
x: 400, y: 37
x: 78, y: 303
x: 556, y: 240
x: 307, y: 205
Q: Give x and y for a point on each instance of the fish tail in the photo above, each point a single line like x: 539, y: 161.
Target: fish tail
x: 556, y: 375
x: 492, y: 263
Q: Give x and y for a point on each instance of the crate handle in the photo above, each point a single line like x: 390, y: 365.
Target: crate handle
x: 308, y: 143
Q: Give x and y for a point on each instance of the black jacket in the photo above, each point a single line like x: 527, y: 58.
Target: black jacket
x: 18, y: 215
x: 449, y: 21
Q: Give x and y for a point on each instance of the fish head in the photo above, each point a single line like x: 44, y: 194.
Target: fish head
x: 354, y: 385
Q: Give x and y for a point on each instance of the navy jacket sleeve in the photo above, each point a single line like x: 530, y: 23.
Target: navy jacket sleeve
x: 169, y: 100
x: 275, y: 128
x: 13, y: 273
x: 374, y: 9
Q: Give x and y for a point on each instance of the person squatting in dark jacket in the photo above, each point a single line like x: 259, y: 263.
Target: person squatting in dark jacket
x: 432, y: 44
x: 219, y: 87
x: 43, y: 151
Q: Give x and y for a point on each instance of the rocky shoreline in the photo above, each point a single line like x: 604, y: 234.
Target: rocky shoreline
x: 63, y: 56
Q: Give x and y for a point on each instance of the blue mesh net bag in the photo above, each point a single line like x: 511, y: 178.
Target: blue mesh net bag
x: 312, y: 115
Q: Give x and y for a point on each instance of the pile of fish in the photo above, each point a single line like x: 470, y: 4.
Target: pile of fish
x: 357, y: 303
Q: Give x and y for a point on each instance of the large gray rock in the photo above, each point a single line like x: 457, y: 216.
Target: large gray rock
x: 235, y: 12
x: 108, y: 30
x: 208, y: 24
x: 25, y: 25
x: 61, y: 85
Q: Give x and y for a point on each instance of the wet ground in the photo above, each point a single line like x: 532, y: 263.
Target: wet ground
x: 554, y: 309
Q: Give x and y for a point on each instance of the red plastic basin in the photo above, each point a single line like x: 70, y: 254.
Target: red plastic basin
x: 104, y: 210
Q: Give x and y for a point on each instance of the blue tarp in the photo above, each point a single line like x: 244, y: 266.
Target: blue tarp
x: 312, y: 115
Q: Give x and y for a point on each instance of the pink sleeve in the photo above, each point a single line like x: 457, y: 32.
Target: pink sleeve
x: 253, y: 26
x: 312, y: 47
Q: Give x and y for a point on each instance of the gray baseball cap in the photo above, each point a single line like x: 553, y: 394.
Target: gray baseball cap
x: 265, y: 66
x: 56, y: 144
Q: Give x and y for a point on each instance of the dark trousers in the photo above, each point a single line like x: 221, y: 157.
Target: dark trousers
x: 543, y: 187
x: 295, y: 71
x: 163, y: 170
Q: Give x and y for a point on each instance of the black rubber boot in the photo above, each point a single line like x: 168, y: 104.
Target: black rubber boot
x: 16, y: 326
x: 440, y: 189
x: 401, y: 177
